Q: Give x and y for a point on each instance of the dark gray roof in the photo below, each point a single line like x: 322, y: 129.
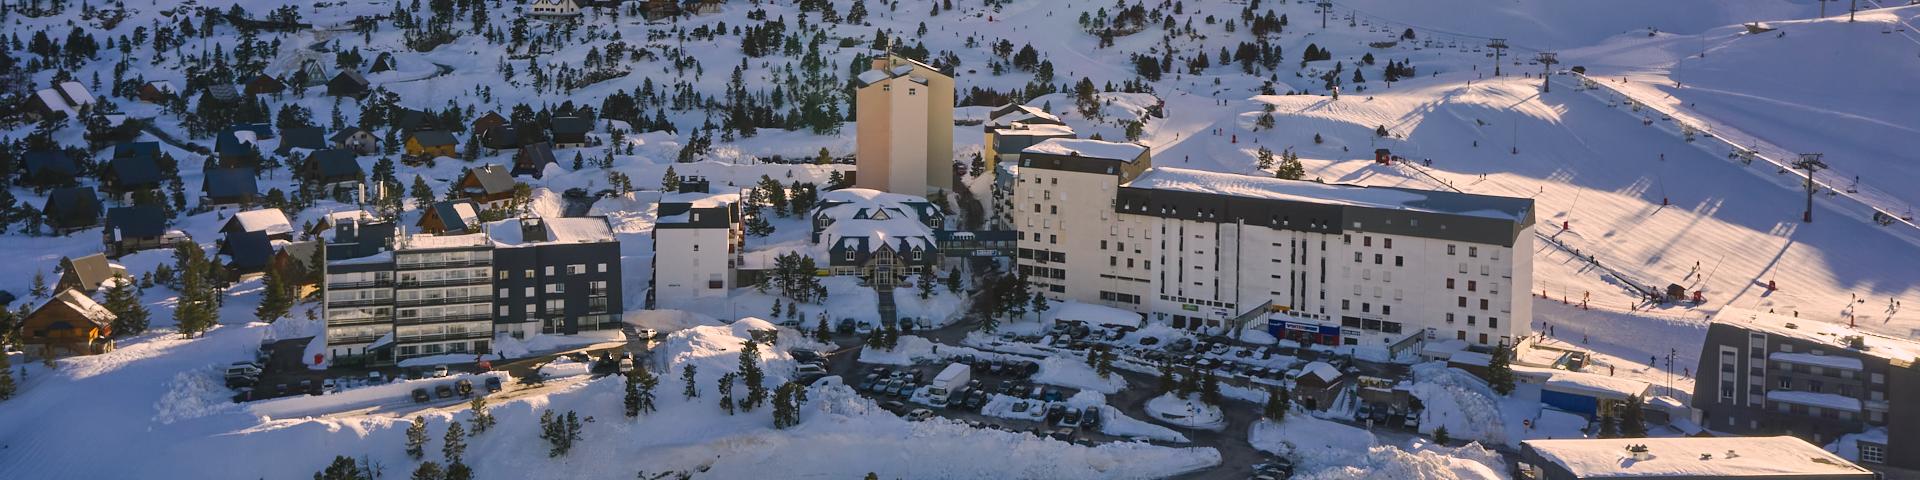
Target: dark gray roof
x: 223, y: 92
x: 135, y: 172
x: 410, y: 119
x: 247, y: 251
x: 366, y: 239
x: 50, y: 161
x: 313, y: 138
x: 345, y: 134
x: 450, y: 216
x: 352, y: 76
x: 571, y: 125
x: 230, y: 144
x: 229, y: 183
x: 493, y: 179
x: 434, y: 137
x: 72, y: 207
x: 334, y: 163
x: 138, y: 221
x: 260, y: 130
x: 501, y: 137
x: 134, y: 149
x: 533, y: 158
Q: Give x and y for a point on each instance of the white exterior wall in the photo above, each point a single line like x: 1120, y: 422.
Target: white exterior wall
x: 1216, y: 271
x: 685, y: 260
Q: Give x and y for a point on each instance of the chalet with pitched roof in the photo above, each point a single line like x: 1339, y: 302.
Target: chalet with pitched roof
x: 70, y: 209
x: 70, y: 323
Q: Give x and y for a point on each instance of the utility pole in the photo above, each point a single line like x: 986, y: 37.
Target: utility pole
x: 1499, y: 46
x: 1811, y: 163
x: 1326, y: 6
x: 1852, y: 5
x: 1546, y: 60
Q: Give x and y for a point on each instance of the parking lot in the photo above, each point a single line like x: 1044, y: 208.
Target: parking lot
x: 1005, y: 385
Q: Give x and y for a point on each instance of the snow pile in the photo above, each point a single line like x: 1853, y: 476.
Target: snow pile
x: 940, y: 307
x: 667, y: 320
x: 1093, y: 314
x: 1073, y: 373
x: 1002, y: 406
x: 193, y: 394
x: 715, y: 349
x: 1459, y: 401
x: 508, y: 347
x: 1114, y: 423
x: 375, y: 398
x: 910, y: 350
x: 1187, y: 412
x: 1325, y: 450
x: 628, y: 213
x: 564, y: 367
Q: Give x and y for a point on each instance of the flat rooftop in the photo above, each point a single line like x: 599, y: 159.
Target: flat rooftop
x: 1830, y: 333
x: 1693, y: 457
x: 1386, y: 198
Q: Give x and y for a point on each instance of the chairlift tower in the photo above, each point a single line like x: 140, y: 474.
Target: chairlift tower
x: 1811, y: 162
x: 1546, y: 60
x: 1499, y: 46
x: 1326, y: 7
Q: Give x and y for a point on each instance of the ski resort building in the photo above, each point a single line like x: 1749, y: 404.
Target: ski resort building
x: 698, y: 239
x: 905, y: 132
x: 1767, y: 374
x: 393, y: 296
x: 876, y: 235
x: 1312, y: 262
x: 1015, y: 127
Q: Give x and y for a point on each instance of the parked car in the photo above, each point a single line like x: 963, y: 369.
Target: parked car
x: 810, y: 369
x: 420, y: 395
x: 330, y: 385
x: 894, y: 406
x: 439, y: 371
x: 374, y: 378
x: 1055, y: 411
x: 626, y: 365
x: 493, y: 384
x: 1149, y: 341
x: 924, y: 323
x: 976, y: 400
x: 1070, y: 418
x: 1090, y: 416
x: 442, y: 391
x: 1020, y: 406
x: 1053, y: 395
x: 1063, y: 434
x: 307, y: 385
x: 846, y: 326
x: 1180, y: 345
x: 464, y: 387
x: 1035, y: 392
x: 1219, y: 349
x: 1006, y: 387
x: 805, y: 355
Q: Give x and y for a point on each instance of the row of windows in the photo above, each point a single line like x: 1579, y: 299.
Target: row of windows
x: 574, y: 269
x: 1120, y: 297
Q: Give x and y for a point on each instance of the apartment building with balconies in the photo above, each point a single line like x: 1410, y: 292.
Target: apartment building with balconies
x: 1762, y: 373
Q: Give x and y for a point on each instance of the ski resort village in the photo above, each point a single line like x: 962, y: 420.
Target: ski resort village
x: 960, y: 239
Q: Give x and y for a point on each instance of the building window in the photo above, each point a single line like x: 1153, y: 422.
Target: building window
x: 1449, y: 318
x: 1450, y: 249
x: 1873, y: 452
x: 504, y: 274
x: 1356, y: 257
x: 1463, y: 302
x: 1493, y: 322
x: 1483, y: 304
x: 1449, y: 284
x: 1473, y: 252
x: 1366, y: 241
x: 1388, y: 241
x: 1399, y: 261
x: 1473, y: 286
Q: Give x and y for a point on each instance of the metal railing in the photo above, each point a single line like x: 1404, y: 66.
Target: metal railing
x: 443, y: 301
x: 364, y: 302
x: 442, y: 319
x: 444, y: 282
x: 478, y: 262
x: 367, y: 284
x: 487, y: 334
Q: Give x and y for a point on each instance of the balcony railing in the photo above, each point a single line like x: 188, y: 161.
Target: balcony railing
x: 479, y: 335
x: 352, y: 339
x: 443, y: 282
x: 367, y: 284
x: 477, y: 262
x: 362, y: 302
x: 442, y: 319
x: 444, y: 301
x: 359, y: 320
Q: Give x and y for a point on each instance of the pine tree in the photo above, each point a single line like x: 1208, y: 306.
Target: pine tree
x: 6, y: 373
x: 782, y: 406
x: 457, y: 470
x: 1210, y: 388
x: 428, y: 471
x: 417, y: 437
x: 692, y: 389
x: 422, y: 193
x: 129, y: 316
x: 1040, y: 306
x: 646, y: 381
x: 821, y: 332
x: 1105, y: 366
x: 1609, y: 427
x: 344, y: 468
x: 953, y: 280
x: 1499, y: 372
x: 482, y: 420
x: 925, y: 282
x: 456, y: 443
x: 39, y: 286
x: 275, y: 300
x: 1440, y: 435
x: 1278, y: 402
x: 1290, y: 167
x: 1264, y: 158
x: 1633, y: 422
x: 1167, y: 382
x: 750, y: 372
x: 725, y: 385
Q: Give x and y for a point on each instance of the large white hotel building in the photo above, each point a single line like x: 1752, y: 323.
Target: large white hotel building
x: 1317, y: 263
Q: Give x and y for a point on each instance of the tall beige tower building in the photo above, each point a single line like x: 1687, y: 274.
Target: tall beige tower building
x: 905, y: 128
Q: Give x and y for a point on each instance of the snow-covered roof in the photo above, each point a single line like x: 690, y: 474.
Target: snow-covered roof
x: 164, y: 86
x: 1833, y: 361
x: 1096, y: 314
x: 52, y: 100
x: 883, y: 218
x: 1592, y: 384
x: 1036, y: 130
x: 269, y: 220
x: 1692, y: 457
x: 1820, y: 332
x: 701, y: 200
x: 1082, y: 147
x: 1385, y: 198
x: 77, y: 92
x: 866, y: 195
x: 1323, y: 370
x: 1822, y: 400
x: 511, y: 233
x: 85, y: 305
x: 1022, y: 113
x: 427, y: 241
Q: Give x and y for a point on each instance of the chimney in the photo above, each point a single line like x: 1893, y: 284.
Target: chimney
x: 532, y: 229
x: 880, y: 64
x: 1640, y: 452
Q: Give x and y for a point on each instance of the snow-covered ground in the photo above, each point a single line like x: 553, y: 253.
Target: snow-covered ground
x: 1325, y: 450
x: 1186, y: 412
